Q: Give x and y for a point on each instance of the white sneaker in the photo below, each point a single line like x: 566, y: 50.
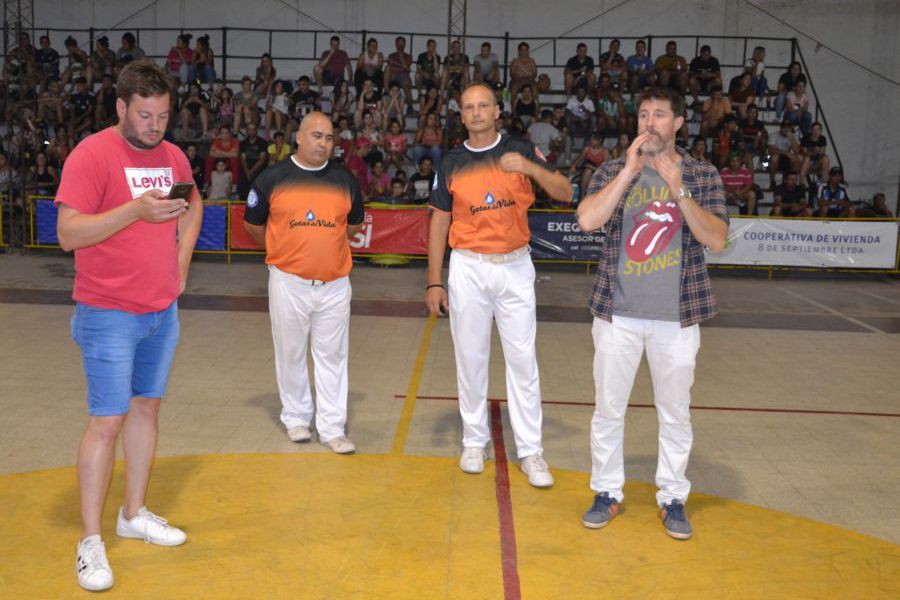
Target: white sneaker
x: 472, y: 460
x: 537, y: 470
x: 299, y: 434
x: 151, y: 528
x: 91, y: 565
x: 340, y: 445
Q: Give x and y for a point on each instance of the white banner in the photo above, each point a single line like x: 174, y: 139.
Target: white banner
x: 809, y: 243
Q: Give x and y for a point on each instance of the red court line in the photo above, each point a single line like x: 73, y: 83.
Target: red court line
x: 796, y: 411
x: 508, y: 555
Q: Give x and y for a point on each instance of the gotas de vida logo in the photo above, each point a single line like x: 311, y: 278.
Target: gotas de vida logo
x: 491, y: 203
x: 310, y: 220
x: 654, y: 228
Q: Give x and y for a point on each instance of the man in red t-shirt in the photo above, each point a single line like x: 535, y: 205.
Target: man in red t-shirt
x: 224, y: 146
x: 738, y: 182
x: 133, y: 247
x: 334, y: 66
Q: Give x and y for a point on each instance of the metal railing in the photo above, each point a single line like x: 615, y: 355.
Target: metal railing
x: 820, y: 112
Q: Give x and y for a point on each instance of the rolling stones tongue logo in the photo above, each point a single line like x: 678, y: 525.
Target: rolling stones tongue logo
x: 654, y: 228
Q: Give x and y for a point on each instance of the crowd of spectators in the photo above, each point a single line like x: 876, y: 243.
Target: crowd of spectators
x: 395, y: 116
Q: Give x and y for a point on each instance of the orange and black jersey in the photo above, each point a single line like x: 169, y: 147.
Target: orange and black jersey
x: 306, y: 213
x: 489, y: 206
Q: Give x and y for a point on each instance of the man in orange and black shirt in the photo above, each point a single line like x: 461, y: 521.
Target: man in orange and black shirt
x: 481, y: 198
x: 303, y: 211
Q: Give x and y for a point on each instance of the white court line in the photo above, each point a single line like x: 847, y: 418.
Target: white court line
x: 879, y: 297
x: 831, y: 310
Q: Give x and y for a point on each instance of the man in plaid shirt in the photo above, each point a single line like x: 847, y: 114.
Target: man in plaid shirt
x: 659, y: 208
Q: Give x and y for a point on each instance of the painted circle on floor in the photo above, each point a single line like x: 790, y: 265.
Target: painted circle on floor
x: 368, y: 526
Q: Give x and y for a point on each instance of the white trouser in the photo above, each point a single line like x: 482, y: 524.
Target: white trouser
x: 300, y: 311
x: 482, y: 290
x: 671, y: 354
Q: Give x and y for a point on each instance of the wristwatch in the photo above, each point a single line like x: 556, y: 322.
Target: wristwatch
x: 683, y: 193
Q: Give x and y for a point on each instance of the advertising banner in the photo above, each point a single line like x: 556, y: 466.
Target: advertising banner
x: 392, y: 231
x: 809, y: 243
x: 557, y: 236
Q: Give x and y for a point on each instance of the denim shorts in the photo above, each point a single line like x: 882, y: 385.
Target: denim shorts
x: 126, y: 355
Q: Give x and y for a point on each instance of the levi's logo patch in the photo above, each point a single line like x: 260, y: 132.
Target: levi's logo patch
x: 142, y: 180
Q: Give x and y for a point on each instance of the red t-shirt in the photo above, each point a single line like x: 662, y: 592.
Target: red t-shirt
x: 337, y: 63
x: 219, y: 145
x: 735, y: 180
x: 136, y: 269
x: 174, y: 59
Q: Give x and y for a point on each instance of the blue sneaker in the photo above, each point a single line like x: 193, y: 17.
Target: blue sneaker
x: 601, y: 511
x: 675, y: 521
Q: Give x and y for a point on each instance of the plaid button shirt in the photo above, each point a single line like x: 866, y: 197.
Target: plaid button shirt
x: 697, y: 302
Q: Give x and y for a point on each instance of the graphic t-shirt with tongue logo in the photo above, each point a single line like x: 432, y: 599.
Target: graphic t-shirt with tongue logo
x: 648, y: 277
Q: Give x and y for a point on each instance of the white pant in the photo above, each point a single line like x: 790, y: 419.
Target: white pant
x: 300, y: 311
x: 671, y: 354
x: 480, y: 291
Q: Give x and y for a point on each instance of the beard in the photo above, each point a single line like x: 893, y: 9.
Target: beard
x: 655, y: 145
x: 133, y: 137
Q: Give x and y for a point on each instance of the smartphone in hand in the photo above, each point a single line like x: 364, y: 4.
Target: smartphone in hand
x: 183, y: 190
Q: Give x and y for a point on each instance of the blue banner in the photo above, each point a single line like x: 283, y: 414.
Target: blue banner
x: 556, y: 236
x: 45, y: 222
x: 212, y: 231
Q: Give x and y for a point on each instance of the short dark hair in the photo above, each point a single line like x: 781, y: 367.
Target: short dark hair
x: 278, y: 133
x: 303, y: 78
x: 581, y: 45
x: 129, y: 37
x: 144, y: 78
x: 430, y: 41
x: 488, y: 44
x: 675, y: 100
x: 523, y: 44
x: 396, y: 180
x: 424, y: 158
x: 705, y: 48
x: 334, y: 38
